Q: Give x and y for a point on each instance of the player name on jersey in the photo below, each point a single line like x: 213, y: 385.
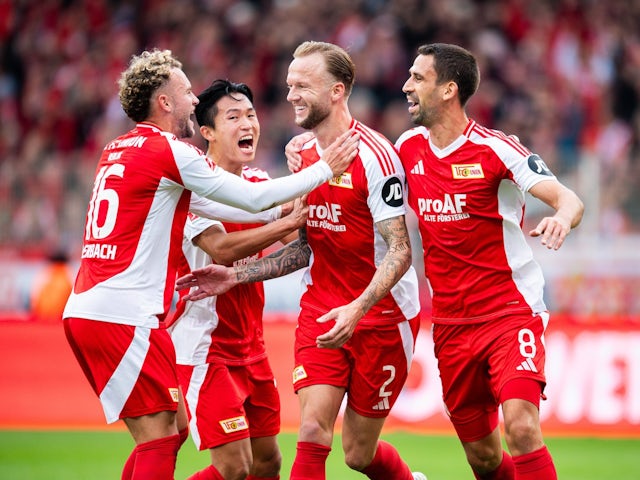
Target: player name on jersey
x: 99, y: 250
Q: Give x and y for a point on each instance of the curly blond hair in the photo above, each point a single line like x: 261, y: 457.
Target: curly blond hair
x: 146, y: 73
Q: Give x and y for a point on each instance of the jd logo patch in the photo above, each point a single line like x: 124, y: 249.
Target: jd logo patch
x: 392, y: 192
x: 536, y: 164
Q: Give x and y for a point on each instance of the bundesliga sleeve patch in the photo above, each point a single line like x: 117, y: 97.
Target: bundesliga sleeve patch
x: 392, y: 192
x: 537, y: 165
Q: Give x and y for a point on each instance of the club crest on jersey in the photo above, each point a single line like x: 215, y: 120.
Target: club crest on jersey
x: 467, y: 171
x: 174, y: 394
x: 235, y: 424
x: 343, y: 181
x: 299, y: 373
x: 537, y: 165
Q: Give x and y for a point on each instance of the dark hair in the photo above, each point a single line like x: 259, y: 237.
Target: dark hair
x: 207, y: 109
x: 454, y: 64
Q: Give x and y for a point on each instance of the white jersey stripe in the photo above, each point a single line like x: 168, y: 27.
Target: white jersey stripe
x: 193, y: 396
x: 407, y: 341
x: 117, y: 390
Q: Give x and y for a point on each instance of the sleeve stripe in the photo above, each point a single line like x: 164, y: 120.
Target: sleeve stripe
x: 513, y: 143
x: 374, y: 142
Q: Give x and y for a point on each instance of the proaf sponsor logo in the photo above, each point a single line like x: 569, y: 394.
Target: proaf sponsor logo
x: 449, y: 208
x: 326, y: 216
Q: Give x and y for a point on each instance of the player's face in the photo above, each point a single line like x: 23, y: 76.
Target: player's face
x: 183, y: 103
x: 309, y: 86
x: 234, y: 139
x: 423, y: 94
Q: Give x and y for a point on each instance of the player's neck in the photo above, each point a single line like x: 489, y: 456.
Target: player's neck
x: 448, y: 130
x: 226, y: 164
x: 332, y: 127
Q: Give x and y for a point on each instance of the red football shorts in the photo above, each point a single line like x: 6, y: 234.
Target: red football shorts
x: 477, y: 361
x: 372, y: 366
x: 132, y: 369
x: 228, y: 403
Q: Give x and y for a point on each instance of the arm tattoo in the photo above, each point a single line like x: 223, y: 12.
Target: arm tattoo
x: 290, y: 258
x: 394, y: 264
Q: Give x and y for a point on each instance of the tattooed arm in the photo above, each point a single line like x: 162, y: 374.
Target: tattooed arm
x: 217, y: 279
x: 393, y: 266
x: 288, y: 259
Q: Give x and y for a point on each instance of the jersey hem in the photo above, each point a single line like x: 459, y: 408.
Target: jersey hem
x: 481, y: 318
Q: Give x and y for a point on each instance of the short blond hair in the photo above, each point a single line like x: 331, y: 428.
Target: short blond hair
x: 339, y: 64
x: 146, y: 73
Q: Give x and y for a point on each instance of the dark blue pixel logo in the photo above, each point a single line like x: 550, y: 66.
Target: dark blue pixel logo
x: 537, y: 165
x: 392, y: 192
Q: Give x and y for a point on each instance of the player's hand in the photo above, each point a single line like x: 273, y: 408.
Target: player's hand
x: 342, y: 151
x: 346, y: 318
x: 207, y: 281
x: 553, y: 231
x: 300, y: 212
x: 293, y: 148
x: 286, y: 209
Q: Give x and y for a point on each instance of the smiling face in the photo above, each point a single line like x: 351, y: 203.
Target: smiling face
x: 183, y: 102
x: 424, y: 95
x: 234, y: 138
x: 309, y: 86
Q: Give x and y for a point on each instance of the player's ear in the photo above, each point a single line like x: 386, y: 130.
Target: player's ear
x: 163, y: 102
x: 207, y: 133
x: 337, y: 90
x: 450, y: 90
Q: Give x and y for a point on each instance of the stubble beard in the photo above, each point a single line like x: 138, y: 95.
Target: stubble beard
x: 186, y: 129
x: 315, y: 117
x: 423, y: 118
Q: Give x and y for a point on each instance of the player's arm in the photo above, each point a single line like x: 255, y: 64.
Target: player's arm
x: 393, y: 266
x: 225, y: 248
x: 217, y: 279
x: 205, y: 208
x: 232, y: 190
x: 569, y: 209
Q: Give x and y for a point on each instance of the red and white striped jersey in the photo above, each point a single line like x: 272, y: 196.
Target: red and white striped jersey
x: 469, y: 199
x: 227, y: 328
x: 341, y: 230
x: 136, y: 216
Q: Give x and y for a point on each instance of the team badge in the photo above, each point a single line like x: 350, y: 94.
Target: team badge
x: 235, y: 424
x: 392, y: 192
x: 537, y: 165
x: 343, y: 181
x: 467, y: 171
x: 175, y: 396
x: 299, y: 373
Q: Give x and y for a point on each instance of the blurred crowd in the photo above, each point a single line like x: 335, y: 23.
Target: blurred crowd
x: 562, y: 75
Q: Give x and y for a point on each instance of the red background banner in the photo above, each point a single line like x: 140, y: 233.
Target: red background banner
x: 593, y: 373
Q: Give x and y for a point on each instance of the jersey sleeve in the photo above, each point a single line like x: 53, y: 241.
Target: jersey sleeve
x: 194, y: 226
x: 386, y: 198
x: 204, y: 207
x: 218, y: 185
x: 385, y: 181
x: 526, y: 168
